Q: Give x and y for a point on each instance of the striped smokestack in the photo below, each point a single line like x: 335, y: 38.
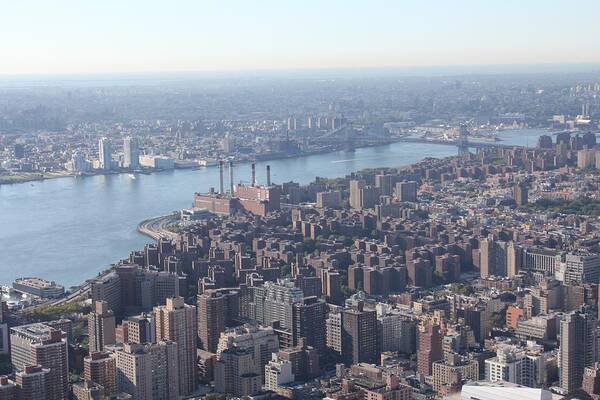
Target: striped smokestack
x: 221, y: 187
x: 231, y: 177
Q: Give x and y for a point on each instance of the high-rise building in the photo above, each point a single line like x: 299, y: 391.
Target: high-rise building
x: 355, y: 187
x: 140, y: 329
x: 212, y: 314
x: 359, y: 335
x: 520, y: 194
x: 19, y: 150
x: 261, y: 341
x: 149, y: 371
x: 420, y: 272
x: 586, y: 158
x: 576, y: 348
x: 235, y: 372
x: 108, y: 288
x: 582, y: 268
x: 540, y: 260
x: 39, y: 344
x: 274, y: 301
x: 369, y: 197
x: 4, y: 331
x: 101, y: 368
x: 454, y: 365
x: 101, y: 327
x: 292, y: 123
x: 308, y: 323
x: 8, y: 389
x: 277, y: 373
x: 514, y: 259
x: 396, y: 333
x: 332, y: 199
x: 134, y: 371
x: 34, y: 383
x: 406, y: 191
x: 304, y: 360
x: 333, y: 328
x: 591, y: 380
x: 176, y: 322
x: 88, y: 390
x: 131, y: 153
x: 104, y: 154
x: 429, y: 348
x: 494, y: 257
x: 385, y: 184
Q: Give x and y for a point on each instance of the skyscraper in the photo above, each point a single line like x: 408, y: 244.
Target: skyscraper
x: 385, y: 184
x: 176, y: 322
x: 101, y: 368
x: 514, y: 259
x: 212, y: 313
x: 355, y: 188
x: 39, y: 344
x: 520, y: 194
x: 149, y: 371
x: 101, y: 327
x: 274, y: 302
x: 576, y: 348
x: 131, y: 153
x: 309, y: 322
x: 494, y: 257
x: 104, y: 154
x: 429, y: 349
x: 406, y: 191
x: 359, y: 335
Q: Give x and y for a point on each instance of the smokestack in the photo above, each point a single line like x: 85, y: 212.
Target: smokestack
x: 221, y: 188
x: 268, y: 175
x: 253, y: 174
x: 231, y: 176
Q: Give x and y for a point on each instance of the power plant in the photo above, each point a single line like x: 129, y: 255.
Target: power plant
x: 256, y: 199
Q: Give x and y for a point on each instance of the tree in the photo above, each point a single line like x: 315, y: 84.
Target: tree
x: 498, y: 319
x: 309, y: 245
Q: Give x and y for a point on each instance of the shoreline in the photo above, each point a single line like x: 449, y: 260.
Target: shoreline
x: 40, y: 177
x: 141, y: 234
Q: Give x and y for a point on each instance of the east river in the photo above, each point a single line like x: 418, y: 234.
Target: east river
x: 69, y: 229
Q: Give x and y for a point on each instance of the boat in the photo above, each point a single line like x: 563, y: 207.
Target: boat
x: 132, y: 176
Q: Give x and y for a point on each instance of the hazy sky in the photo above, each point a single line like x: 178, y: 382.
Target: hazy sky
x: 89, y: 36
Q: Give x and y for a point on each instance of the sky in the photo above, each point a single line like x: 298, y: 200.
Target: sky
x: 112, y: 36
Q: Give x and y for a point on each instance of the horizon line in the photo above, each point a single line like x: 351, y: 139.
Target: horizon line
x: 553, y: 66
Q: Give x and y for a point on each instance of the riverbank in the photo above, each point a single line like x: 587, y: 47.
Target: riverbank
x: 24, y: 177
x: 501, y: 139
x: 96, y: 218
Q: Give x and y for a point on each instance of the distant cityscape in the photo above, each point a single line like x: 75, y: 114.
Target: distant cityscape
x: 471, y: 277
x: 52, y: 135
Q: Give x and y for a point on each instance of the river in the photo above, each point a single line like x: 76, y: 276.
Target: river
x: 69, y: 229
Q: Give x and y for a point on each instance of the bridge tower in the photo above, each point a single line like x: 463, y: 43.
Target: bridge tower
x: 463, y: 140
